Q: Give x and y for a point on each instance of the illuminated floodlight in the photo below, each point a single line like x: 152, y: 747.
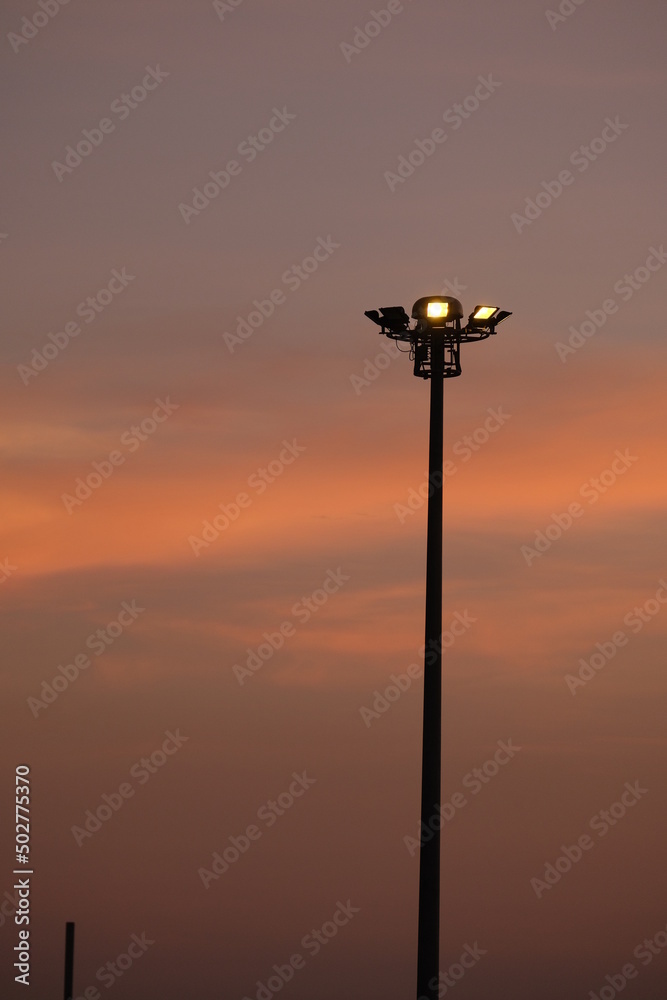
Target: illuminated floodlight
x: 437, y: 310
x: 486, y: 318
x: 484, y: 312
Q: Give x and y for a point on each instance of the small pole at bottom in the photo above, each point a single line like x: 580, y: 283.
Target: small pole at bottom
x: 69, y: 960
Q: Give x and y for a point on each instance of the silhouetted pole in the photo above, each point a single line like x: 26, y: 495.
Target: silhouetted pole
x: 435, y: 342
x: 69, y: 960
x: 428, y: 947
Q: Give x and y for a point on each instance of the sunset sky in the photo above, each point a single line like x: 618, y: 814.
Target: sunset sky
x: 205, y: 441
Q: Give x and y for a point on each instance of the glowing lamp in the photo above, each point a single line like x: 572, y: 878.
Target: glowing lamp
x: 484, y: 312
x: 437, y: 310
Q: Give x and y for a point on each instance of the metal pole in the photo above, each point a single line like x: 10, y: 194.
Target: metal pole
x: 429, y: 854
x: 69, y: 960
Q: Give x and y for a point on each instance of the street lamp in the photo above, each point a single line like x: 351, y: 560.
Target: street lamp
x: 435, y: 344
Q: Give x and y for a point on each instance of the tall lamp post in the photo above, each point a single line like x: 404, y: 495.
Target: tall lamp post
x: 435, y: 344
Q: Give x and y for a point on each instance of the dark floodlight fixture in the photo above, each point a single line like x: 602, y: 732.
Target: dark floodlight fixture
x: 435, y: 343
x: 373, y: 315
x: 500, y: 316
x: 394, y: 320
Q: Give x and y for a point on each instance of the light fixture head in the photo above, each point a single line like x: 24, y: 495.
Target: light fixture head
x: 393, y: 318
x: 437, y: 310
x: 500, y: 316
x: 484, y: 312
x: 483, y: 320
